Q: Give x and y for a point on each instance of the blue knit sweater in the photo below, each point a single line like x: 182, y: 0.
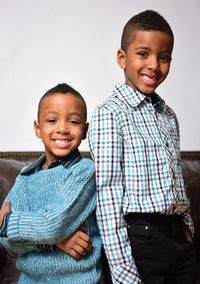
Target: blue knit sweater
x: 47, y: 207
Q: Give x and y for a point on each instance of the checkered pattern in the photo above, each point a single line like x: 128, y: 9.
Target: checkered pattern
x: 135, y: 144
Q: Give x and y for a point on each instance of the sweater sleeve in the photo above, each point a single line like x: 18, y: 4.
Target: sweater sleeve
x: 16, y: 246
x: 57, y: 223
x: 19, y: 247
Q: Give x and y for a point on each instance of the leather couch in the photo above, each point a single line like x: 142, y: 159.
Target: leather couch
x: 12, y: 162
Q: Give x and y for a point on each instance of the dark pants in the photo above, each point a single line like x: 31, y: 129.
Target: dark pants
x: 161, y: 251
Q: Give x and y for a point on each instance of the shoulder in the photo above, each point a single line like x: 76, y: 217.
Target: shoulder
x: 172, y: 119
x: 111, y: 109
x: 170, y: 112
x: 80, y: 174
x: 172, y: 116
x: 114, y: 101
x: 87, y: 163
x: 85, y: 167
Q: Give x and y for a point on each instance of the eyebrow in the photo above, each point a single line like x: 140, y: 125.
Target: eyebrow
x: 147, y: 48
x: 71, y: 113
x: 51, y: 112
x: 75, y: 113
x: 142, y: 47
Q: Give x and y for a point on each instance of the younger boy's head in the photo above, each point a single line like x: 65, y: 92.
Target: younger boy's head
x: 61, y: 123
x: 145, y: 53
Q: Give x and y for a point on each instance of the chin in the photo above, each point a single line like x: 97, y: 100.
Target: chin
x: 147, y: 93
x: 61, y: 154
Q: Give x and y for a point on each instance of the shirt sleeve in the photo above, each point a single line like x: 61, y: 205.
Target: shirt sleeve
x: 106, y: 144
x: 56, y: 224
x: 187, y: 217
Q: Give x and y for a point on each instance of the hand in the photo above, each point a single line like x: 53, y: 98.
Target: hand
x: 5, y: 209
x: 188, y: 233
x: 78, y: 244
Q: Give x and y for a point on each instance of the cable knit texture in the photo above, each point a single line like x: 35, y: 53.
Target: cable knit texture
x: 47, y: 207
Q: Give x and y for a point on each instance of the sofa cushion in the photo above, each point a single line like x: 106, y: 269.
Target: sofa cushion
x: 9, y: 168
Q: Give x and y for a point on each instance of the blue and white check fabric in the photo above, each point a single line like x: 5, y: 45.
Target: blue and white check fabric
x: 135, y: 145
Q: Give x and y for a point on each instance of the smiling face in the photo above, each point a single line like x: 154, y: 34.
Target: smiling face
x: 61, y: 125
x: 147, y: 60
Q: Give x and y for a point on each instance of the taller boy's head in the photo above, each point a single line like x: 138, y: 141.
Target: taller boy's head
x: 145, y: 53
x: 61, y: 123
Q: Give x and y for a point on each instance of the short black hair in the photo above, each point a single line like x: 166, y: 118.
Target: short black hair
x: 63, y: 89
x: 148, y: 20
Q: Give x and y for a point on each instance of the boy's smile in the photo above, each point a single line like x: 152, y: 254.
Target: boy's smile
x: 147, y: 60
x: 62, y: 125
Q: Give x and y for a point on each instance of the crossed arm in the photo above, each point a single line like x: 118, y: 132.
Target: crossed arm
x: 76, y: 245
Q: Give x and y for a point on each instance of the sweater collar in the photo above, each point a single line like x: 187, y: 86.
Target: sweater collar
x: 67, y: 161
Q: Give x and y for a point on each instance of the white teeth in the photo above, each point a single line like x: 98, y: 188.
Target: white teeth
x: 61, y: 141
x: 149, y: 78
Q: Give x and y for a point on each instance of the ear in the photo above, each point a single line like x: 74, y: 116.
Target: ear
x: 37, y: 128
x: 85, y: 130
x: 121, y: 58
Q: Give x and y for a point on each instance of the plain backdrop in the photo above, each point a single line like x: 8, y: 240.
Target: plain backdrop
x: 46, y: 42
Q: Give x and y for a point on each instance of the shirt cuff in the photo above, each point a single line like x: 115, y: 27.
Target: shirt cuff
x: 47, y: 247
x: 188, y: 221
x: 126, y: 273
x: 4, y: 226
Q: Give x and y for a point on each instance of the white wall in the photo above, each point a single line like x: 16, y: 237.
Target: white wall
x: 45, y: 42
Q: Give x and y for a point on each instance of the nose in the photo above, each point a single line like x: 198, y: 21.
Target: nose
x: 63, y: 128
x: 153, y: 63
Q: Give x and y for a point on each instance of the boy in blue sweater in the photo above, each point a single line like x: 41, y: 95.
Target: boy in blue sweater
x: 53, y: 197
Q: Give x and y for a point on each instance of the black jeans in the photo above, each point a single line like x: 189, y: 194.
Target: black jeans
x: 161, y: 251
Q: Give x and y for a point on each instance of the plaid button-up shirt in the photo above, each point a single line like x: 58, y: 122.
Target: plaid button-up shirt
x: 135, y: 145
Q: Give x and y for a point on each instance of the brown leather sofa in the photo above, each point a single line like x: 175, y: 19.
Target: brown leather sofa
x: 12, y: 162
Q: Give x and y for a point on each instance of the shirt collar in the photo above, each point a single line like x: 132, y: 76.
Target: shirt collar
x: 67, y: 161
x: 158, y: 103
x: 134, y: 98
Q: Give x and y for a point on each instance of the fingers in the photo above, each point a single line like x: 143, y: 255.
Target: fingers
x: 187, y: 233
x: 79, y: 251
x: 83, y: 245
x: 82, y: 228
x: 77, y: 245
x: 7, y: 204
x: 74, y: 250
x: 75, y: 254
x: 85, y: 238
x: 6, y: 207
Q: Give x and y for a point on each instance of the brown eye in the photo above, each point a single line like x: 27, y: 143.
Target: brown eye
x: 164, y: 58
x: 74, y: 122
x: 51, y: 120
x: 143, y: 54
